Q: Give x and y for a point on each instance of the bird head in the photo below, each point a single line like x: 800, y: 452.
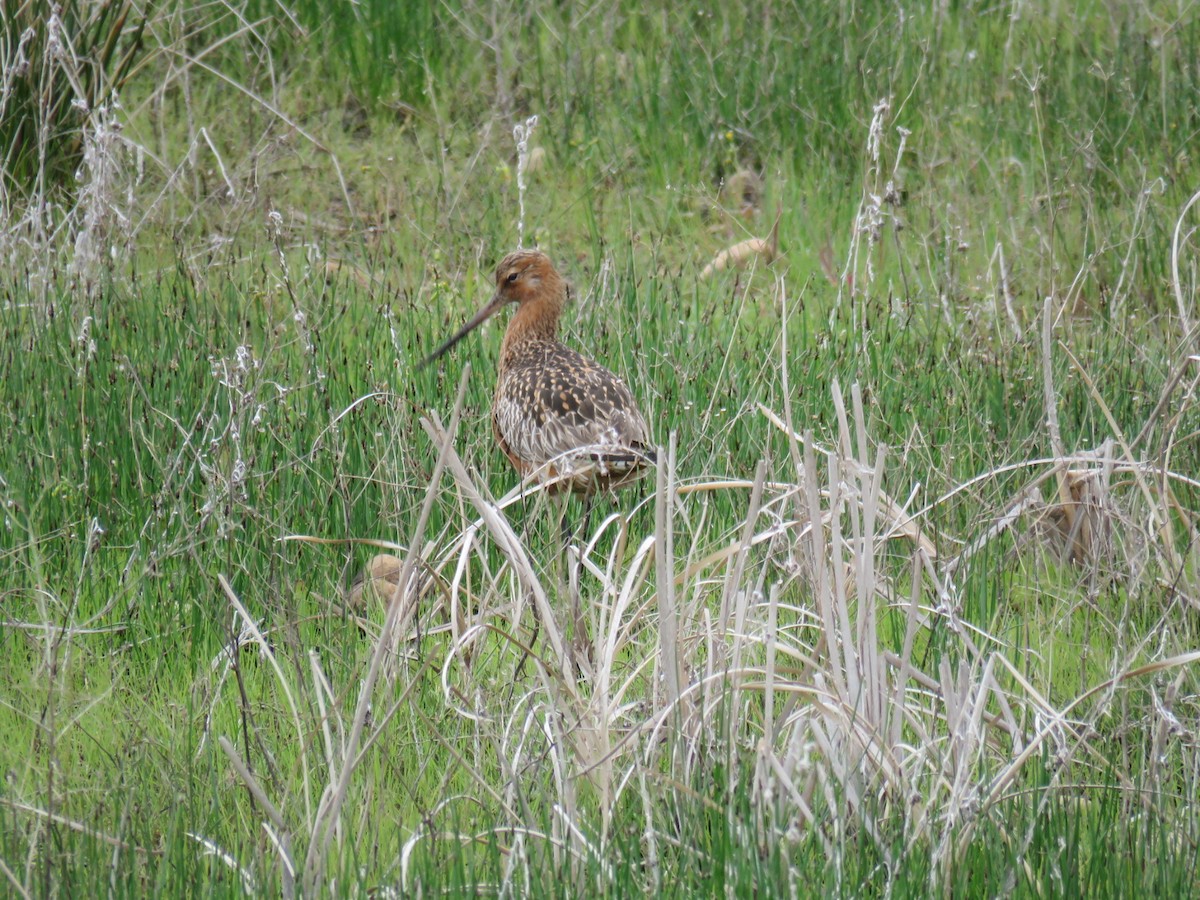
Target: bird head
x: 524, y: 276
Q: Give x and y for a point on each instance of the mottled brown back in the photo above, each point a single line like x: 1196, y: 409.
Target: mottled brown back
x: 554, y: 405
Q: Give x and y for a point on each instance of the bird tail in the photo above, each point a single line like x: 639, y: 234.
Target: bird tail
x: 635, y: 454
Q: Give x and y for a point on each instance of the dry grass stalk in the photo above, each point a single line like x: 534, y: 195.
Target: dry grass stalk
x: 743, y: 253
x: 1181, y: 304
x: 845, y: 734
x: 328, y: 815
x: 695, y: 646
x: 1083, y: 526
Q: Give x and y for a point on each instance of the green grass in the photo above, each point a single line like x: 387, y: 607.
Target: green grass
x: 228, y: 379
x: 60, y: 61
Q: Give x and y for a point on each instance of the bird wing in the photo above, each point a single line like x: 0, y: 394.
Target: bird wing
x: 558, y: 401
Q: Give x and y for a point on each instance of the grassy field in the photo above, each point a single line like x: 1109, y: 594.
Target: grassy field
x: 911, y: 603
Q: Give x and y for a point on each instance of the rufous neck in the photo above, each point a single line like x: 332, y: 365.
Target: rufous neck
x: 534, y: 320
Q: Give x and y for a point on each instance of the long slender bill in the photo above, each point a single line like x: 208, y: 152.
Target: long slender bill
x: 478, y: 319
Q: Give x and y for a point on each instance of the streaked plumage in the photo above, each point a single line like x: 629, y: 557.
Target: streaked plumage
x: 555, y: 411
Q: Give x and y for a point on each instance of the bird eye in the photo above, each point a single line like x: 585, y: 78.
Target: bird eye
x: 512, y: 278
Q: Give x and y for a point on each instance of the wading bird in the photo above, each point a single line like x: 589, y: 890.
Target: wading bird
x: 556, y: 414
